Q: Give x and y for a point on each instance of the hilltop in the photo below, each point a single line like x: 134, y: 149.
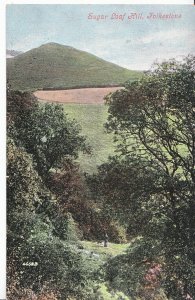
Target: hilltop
x: 55, y: 66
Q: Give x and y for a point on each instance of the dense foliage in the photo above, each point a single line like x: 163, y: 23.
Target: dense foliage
x: 150, y: 185
x: 42, y: 237
x: 44, y: 131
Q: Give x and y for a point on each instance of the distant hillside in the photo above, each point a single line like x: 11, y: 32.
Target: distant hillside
x: 57, y: 66
x: 12, y: 53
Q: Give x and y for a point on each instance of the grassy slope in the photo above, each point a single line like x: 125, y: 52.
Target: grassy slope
x: 91, y: 117
x: 57, y: 66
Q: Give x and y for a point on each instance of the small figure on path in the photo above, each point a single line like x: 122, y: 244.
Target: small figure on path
x: 105, y: 240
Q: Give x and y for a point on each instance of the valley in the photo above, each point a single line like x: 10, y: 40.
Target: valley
x: 87, y: 107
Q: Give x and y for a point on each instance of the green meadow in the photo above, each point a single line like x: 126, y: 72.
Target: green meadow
x: 92, y: 118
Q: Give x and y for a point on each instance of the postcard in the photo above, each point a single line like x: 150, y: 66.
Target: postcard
x: 100, y: 139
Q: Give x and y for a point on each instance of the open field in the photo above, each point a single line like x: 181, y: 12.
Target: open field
x: 82, y: 96
x: 92, y: 117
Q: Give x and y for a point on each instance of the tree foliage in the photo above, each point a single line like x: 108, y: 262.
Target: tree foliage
x: 42, y: 241
x: 154, y: 124
x: 44, y: 131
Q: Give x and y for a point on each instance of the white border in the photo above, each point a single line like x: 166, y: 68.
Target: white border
x: 2, y: 155
x: 3, y: 104
x: 172, y: 2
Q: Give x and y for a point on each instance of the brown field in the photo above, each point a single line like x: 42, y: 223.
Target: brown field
x: 82, y: 96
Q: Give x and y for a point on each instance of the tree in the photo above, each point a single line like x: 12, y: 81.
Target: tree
x: 154, y: 123
x: 49, y: 261
x: 124, y: 183
x: 73, y: 196
x: 24, y: 190
x: 44, y: 131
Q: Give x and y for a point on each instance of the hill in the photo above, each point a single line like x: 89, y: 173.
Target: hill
x: 55, y: 66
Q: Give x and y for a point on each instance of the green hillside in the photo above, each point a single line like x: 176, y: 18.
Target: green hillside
x: 92, y: 117
x: 56, y: 66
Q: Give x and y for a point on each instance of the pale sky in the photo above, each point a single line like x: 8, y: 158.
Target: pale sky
x: 134, y: 44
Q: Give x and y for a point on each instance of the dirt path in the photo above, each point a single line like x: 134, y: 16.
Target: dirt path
x: 82, y: 96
